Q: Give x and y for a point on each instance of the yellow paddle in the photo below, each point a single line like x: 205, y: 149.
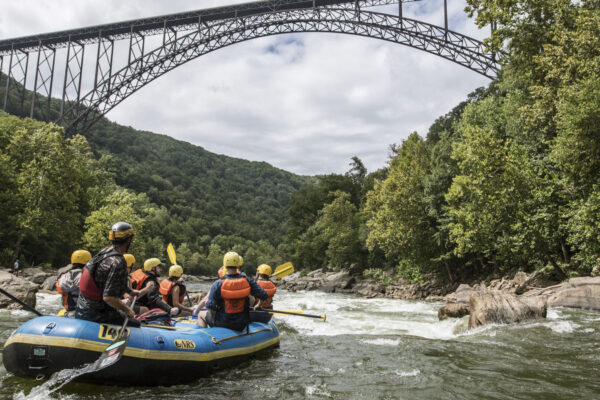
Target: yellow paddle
x: 171, y: 253
x: 173, y: 259
x: 284, y: 270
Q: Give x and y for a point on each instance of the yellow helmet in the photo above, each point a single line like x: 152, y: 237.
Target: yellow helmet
x: 151, y: 263
x: 80, y: 257
x: 264, y: 269
x: 175, y: 271
x: 232, y: 259
x: 129, y: 259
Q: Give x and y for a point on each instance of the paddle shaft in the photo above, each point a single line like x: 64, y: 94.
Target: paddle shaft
x: 25, y: 305
x: 291, y: 313
x: 126, y: 320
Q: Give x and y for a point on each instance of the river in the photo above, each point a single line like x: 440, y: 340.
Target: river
x: 377, y: 349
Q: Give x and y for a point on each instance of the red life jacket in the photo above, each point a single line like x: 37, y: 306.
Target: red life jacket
x: 138, y: 278
x: 166, y: 286
x: 270, y: 288
x: 234, y: 292
x: 87, y: 284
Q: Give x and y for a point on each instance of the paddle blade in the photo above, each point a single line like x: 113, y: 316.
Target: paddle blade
x: 284, y: 270
x: 111, y: 354
x: 171, y: 253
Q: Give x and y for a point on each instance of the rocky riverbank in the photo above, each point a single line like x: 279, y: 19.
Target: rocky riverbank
x: 504, y: 300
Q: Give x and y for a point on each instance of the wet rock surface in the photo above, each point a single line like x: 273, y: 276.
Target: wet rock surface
x: 19, y: 287
x: 504, y: 308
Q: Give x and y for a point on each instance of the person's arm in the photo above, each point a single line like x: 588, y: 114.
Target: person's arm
x: 256, y: 290
x: 176, y: 303
x: 211, y: 301
x: 115, y: 287
x: 149, y: 286
x: 117, y: 304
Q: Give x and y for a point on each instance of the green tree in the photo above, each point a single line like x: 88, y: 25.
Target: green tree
x: 397, y: 216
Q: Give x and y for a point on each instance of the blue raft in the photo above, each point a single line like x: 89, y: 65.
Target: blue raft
x: 155, y: 355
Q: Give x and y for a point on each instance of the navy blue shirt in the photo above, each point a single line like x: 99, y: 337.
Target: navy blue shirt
x: 217, y: 303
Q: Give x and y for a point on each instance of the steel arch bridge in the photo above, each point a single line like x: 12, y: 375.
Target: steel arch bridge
x: 179, y: 38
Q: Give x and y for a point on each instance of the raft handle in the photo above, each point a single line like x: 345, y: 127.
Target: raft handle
x: 160, y: 340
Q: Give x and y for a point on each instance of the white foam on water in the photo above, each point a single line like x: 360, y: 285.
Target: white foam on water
x: 347, y: 315
x: 56, y: 381
x: 381, y: 342
x: 589, y: 330
x: 562, y: 326
x: 315, y: 390
x: 552, y: 313
x: 414, y: 372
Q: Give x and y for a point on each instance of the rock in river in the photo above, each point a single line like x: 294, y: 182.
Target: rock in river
x: 504, y: 308
x: 20, y: 288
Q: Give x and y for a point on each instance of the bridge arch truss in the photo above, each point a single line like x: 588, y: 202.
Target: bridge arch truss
x: 186, y: 37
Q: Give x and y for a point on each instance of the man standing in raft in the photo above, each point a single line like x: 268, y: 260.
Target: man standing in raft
x: 173, y: 290
x: 263, y: 273
x: 67, y: 284
x: 228, y: 304
x: 103, y: 281
x: 146, y: 281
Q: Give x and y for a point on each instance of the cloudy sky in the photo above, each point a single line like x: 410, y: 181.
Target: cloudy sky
x: 305, y: 103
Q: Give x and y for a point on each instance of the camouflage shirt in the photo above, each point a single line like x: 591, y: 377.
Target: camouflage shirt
x: 111, y: 277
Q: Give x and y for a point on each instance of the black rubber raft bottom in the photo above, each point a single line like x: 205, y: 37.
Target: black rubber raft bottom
x: 128, y: 371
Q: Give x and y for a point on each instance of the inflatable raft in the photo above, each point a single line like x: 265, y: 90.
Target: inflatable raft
x: 154, y: 355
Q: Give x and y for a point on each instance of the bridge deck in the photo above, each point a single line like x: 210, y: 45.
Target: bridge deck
x: 179, y: 21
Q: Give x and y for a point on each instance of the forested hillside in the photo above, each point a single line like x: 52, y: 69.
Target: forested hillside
x: 204, y: 203
x: 509, y: 179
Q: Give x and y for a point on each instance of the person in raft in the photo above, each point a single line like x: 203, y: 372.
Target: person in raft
x: 263, y: 279
x: 228, y: 303
x: 146, y: 281
x: 130, y: 292
x: 103, y: 281
x: 173, y: 290
x: 67, y: 284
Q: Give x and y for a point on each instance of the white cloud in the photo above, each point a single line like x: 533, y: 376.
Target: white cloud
x: 302, y: 102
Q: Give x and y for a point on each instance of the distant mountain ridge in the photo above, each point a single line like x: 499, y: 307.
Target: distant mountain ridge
x: 233, y: 196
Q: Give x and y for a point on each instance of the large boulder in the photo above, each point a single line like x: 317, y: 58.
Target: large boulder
x: 65, y: 269
x: 340, y: 280
x: 581, y: 292
x: 453, y: 310
x: 369, y: 289
x: 504, y: 308
x: 37, y: 275
x: 21, y: 288
x: 462, y: 294
x: 50, y: 283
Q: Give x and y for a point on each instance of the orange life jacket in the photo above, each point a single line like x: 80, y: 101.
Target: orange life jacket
x: 138, y: 278
x: 270, y: 288
x: 166, y: 286
x: 235, y: 292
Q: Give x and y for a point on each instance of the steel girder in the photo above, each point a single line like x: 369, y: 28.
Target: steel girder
x: 176, y: 50
x: 178, y: 22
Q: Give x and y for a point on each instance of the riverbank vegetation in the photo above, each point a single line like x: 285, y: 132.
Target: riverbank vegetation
x: 509, y: 179
x: 62, y: 193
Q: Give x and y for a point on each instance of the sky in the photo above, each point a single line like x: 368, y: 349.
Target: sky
x: 306, y: 103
